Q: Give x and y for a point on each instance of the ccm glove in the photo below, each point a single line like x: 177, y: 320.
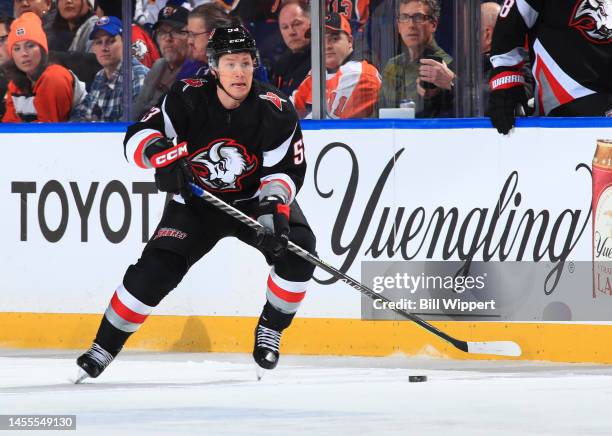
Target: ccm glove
x: 507, y: 92
x: 173, y: 173
x: 273, y: 215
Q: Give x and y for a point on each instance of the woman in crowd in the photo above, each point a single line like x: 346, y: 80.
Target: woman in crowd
x: 37, y: 91
x: 72, y: 25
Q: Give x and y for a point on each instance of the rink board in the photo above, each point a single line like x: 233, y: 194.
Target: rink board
x: 76, y: 215
x: 315, y: 336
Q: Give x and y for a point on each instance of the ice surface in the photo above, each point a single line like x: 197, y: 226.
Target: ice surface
x: 217, y: 394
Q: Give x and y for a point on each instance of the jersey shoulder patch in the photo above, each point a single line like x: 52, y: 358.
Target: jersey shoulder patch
x: 273, y: 98
x: 195, y: 83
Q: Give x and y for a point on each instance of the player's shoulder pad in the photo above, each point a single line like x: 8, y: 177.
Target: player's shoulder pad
x: 189, y: 91
x: 272, y: 98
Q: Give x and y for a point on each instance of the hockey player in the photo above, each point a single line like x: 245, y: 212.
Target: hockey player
x: 241, y: 140
x: 570, y: 46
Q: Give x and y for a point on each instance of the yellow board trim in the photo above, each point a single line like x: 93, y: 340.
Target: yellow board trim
x: 549, y: 342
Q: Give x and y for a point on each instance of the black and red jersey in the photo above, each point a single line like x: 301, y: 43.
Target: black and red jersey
x: 570, y: 47
x: 234, y: 153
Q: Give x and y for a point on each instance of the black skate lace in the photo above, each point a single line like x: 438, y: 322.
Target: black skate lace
x: 100, y: 355
x: 268, y: 338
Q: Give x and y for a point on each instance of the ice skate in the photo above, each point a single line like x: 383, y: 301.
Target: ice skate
x: 265, y: 351
x: 92, y: 363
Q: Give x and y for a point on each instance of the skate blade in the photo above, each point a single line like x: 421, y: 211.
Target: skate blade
x: 81, y: 376
x: 259, y: 372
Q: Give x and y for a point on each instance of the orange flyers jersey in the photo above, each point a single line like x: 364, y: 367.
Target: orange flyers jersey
x: 351, y: 92
x: 50, y: 100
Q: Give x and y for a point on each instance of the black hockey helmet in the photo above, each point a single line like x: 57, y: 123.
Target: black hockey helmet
x: 232, y: 39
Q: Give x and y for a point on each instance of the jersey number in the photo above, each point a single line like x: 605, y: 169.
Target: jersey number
x: 344, y: 7
x: 298, y: 152
x: 340, y: 107
x: 505, y: 10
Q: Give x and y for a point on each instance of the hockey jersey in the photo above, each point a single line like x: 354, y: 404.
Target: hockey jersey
x: 235, y: 154
x: 50, y: 100
x: 351, y: 92
x: 356, y: 11
x: 570, y: 45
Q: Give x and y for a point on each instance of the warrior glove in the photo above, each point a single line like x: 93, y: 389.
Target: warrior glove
x: 172, y: 172
x: 507, y: 92
x: 273, y: 215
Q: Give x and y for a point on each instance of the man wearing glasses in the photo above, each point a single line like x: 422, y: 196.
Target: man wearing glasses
x: 200, y: 23
x: 423, y: 71
x: 171, y: 36
x: 5, y: 57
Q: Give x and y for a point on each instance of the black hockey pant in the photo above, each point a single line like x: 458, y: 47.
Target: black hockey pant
x: 183, y: 236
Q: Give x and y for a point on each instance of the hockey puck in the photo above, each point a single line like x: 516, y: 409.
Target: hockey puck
x: 417, y: 378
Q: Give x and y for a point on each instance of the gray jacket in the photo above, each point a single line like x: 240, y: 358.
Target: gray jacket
x: 152, y: 90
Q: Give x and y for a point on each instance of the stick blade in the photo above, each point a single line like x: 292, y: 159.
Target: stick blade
x: 497, y: 348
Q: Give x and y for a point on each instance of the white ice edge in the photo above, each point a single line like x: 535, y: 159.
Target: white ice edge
x: 498, y: 348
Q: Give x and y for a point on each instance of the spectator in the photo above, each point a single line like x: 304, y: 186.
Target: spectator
x: 357, y: 12
x: 143, y: 47
x: 171, y: 35
x: 423, y: 72
x: 5, y: 58
x: 84, y: 65
x: 104, y: 100
x: 72, y: 26
x: 293, y: 66
x: 351, y: 87
x: 147, y: 11
x: 200, y: 23
x: 43, y: 8
x: 260, y: 19
x: 36, y: 91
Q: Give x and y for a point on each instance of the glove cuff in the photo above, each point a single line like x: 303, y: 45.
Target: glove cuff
x: 506, y: 80
x: 166, y: 157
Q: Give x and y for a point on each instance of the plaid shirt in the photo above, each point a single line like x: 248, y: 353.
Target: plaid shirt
x: 104, y: 100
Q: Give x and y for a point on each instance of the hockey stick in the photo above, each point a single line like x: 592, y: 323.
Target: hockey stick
x: 499, y: 348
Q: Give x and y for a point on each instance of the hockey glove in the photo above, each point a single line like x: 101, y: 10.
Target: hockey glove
x: 507, y: 92
x: 273, y: 215
x: 173, y: 173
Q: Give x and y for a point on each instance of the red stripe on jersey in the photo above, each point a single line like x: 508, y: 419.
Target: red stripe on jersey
x: 289, y: 297
x: 138, y: 153
x: 285, y: 184
x: 560, y: 93
x: 125, y: 312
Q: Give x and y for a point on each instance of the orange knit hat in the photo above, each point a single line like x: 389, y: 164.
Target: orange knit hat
x: 27, y: 27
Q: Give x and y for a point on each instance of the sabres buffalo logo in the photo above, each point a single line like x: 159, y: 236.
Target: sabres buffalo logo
x: 593, y: 18
x: 222, y: 164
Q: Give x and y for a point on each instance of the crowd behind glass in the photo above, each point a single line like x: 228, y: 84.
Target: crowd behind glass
x: 62, y: 60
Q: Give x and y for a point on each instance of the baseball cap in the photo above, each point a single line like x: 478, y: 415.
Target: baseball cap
x: 111, y: 25
x: 176, y: 16
x: 338, y: 23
